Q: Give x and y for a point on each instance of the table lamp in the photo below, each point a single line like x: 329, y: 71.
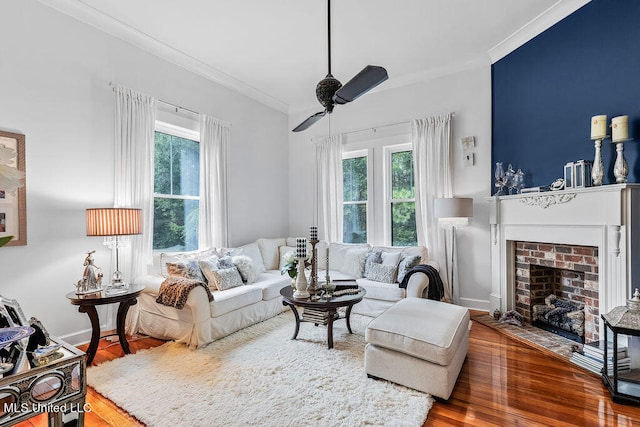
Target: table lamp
x: 453, y: 212
x: 115, y: 224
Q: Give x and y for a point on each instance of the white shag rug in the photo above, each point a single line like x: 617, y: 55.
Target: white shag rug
x: 259, y: 376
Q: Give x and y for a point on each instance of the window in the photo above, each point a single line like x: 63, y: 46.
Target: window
x: 354, y: 225
x: 379, y: 192
x: 176, y: 188
x: 402, y: 202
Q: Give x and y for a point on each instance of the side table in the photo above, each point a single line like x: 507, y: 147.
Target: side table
x: 87, y: 304
x: 55, y: 384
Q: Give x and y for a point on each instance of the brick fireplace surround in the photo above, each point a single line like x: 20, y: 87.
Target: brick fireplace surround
x: 567, y: 271
x: 605, y: 218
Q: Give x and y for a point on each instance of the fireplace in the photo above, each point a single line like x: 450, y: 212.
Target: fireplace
x: 604, y: 220
x: 556, y: 288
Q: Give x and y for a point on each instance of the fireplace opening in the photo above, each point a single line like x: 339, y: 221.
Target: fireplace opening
x: 557, y: 289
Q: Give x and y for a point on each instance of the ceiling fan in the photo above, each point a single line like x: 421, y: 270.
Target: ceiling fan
x: 330, y: 91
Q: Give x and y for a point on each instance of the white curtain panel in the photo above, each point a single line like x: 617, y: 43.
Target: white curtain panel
x: 215, y: 137
x: 432, y: 163
x: 329, y: 167
x: 134, y: 142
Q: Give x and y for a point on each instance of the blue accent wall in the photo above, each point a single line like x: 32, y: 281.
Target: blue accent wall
x: 545, y: 92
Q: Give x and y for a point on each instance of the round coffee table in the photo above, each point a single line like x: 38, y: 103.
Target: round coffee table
x: 322, y: 311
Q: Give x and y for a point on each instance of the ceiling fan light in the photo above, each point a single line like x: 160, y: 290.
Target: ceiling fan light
x: 325, y: 90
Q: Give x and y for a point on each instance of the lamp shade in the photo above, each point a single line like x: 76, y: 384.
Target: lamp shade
x: 453, y: 207
x: 114, y: 221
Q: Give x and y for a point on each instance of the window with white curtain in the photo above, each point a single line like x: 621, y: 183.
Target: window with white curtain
x: 176, y: 188
x: 355, y: 193
x: 401, y: 196
x: 379, y: 191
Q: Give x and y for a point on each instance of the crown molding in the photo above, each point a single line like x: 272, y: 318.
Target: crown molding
x: 91, y: 16
x: 554, y: 14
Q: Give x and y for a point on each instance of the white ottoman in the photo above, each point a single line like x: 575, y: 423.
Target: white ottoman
x: 418, y: 343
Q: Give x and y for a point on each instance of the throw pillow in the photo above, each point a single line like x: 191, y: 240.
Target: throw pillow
x: 245, y: 267
x: 382, y: 273
x: 227, y: 278
x: 372, y: 258
x: 252, y: 251
x: 189, y: 269
x: 354, y: 263
x: 225, y: 262
x: 208, y: 266
x: 406, y: 264
x: 391, y: 258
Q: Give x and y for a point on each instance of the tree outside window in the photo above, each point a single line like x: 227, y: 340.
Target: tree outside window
x: 403, y: 206
x: 354, y: 225
x: 176, y: 193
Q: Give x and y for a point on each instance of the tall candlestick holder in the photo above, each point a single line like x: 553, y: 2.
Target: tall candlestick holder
x: 620, y: 167
x: 597, y: 170
x: 314, y: 288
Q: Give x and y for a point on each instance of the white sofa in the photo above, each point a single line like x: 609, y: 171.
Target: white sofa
x: 201, y: 321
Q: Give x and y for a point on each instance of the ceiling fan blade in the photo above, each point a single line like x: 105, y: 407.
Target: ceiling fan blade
x: 370, y: 77
x: 311, y: 120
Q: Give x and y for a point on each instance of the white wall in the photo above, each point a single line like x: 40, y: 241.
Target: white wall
x: 54, y: 76
x: 468, y: 94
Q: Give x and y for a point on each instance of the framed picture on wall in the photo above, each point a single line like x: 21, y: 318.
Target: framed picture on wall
x: 13, y: 202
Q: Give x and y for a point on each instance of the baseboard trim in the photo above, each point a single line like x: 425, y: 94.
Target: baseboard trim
x: 475, y: 304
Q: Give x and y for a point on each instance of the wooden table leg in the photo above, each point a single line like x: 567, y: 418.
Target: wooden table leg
x: 332, y: 315
x: 348, y: 317
x: 123, y: 308
x: 297, y: 316
x: 95, y: 330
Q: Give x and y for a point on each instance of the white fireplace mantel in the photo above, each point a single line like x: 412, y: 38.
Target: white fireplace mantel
x: 602, y: 216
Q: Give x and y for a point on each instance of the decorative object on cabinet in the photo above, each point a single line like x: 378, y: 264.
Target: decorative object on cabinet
x: 623, y: 385
x: 13, y: 194
x: 115, y: 225
x: 598, y: 133
x: 577, y: 174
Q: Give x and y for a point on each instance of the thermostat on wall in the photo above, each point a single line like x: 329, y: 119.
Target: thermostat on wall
x: 468, y: 142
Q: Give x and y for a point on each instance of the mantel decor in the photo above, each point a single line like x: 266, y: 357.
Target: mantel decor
x: 546, y: 200
x: 598, y: 133
x: 13, y: 193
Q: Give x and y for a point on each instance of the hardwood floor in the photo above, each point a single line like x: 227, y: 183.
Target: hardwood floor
x: 502, y: 383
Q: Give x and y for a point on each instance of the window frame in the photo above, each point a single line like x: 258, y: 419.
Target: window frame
x: 180, y: 132
x: 388, y: 200
x: 368, y: 154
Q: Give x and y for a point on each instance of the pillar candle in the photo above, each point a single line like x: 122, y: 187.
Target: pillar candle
x: 301, y: 247
x: 327, y: 261
x: 619, y: 128
x: 598, y: 127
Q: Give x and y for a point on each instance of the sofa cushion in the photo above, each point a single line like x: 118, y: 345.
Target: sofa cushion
x: 426, y: 329
x: 246, y: 268
x: 184, y: 258
x: 188, y: 269
x: 270, y: 253
x: 373, y: 257
x: 383, y: 273
x: 334, y: 275
x: 354, y: 262
x: 338, y: 253
x: 406, y: 264
x: 391, y: 258
x: 252, y: 251
x: 233, y: 299
x: 406, y: 251
x: 382, y: 291
x: 270, y: 284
